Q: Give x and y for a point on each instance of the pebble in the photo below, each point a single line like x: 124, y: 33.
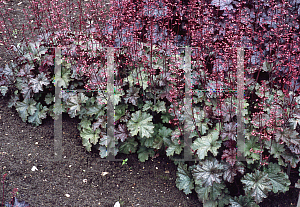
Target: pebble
x: 34, y: 168
x: 104, y: 173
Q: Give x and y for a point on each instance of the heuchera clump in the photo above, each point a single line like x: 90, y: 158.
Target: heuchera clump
x: 150, y: 111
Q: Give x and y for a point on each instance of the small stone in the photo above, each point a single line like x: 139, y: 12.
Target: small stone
x: 104, y: 173
x: 117, y: 204
x: 34, y: 168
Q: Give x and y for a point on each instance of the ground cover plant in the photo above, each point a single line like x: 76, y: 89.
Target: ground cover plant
x: 150, y: 118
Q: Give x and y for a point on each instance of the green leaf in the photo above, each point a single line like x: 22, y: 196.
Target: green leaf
x: 118, y: 94
x: 13, y: 100
x: 159, y: 106
x: 144, y: 153
x: 58, y: 109
x: 24, y: 87
x: 224, y: 199
x: 74, y: 103
x: 207, y: 143
x: 88, y: 135
x: 280, y: 181
x: 40, y: 113
x: 84, y: 123
x: 202, y: 127
x: 137, y: 77
x: 243, y: 201
x: 147, y: 105
x: 164, y: 132
x: 26, y: 107
x: 166, y: 118
x: 158, y: 142
x: 120, y: 111
x: 254, y: 145
x: 104, y: 153
x: 210, y: 203
x: 102, y: 98
x: 174, y: 147
x: 129, y: 146
x: 276, y: 148
x: 141, y: 123
x: 148, y: 142
x: 49, y: 98
x: 209, y: 193
x: 107, y: 143
x: 175, y: 135
x: 184, y: 180
x: 97, y: 110
x: 87, y: 144
x: 257, y: 184
x: 42, y: 51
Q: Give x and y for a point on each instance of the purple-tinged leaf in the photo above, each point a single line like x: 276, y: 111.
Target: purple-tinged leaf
x: 121, y: 133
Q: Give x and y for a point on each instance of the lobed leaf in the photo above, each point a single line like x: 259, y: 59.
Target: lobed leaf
x: 280, y: 181
x: 144, y: 153
x: 207, y: 143
x: 141, y: 123
x: 184, y: 180
x: 208, y: 172
x: 257, y: 184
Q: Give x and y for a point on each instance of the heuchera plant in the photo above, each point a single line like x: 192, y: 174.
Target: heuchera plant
x: 150, y: 116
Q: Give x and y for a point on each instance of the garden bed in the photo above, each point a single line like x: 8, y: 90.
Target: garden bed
x: 137, y: 184
x: 81, y: 178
